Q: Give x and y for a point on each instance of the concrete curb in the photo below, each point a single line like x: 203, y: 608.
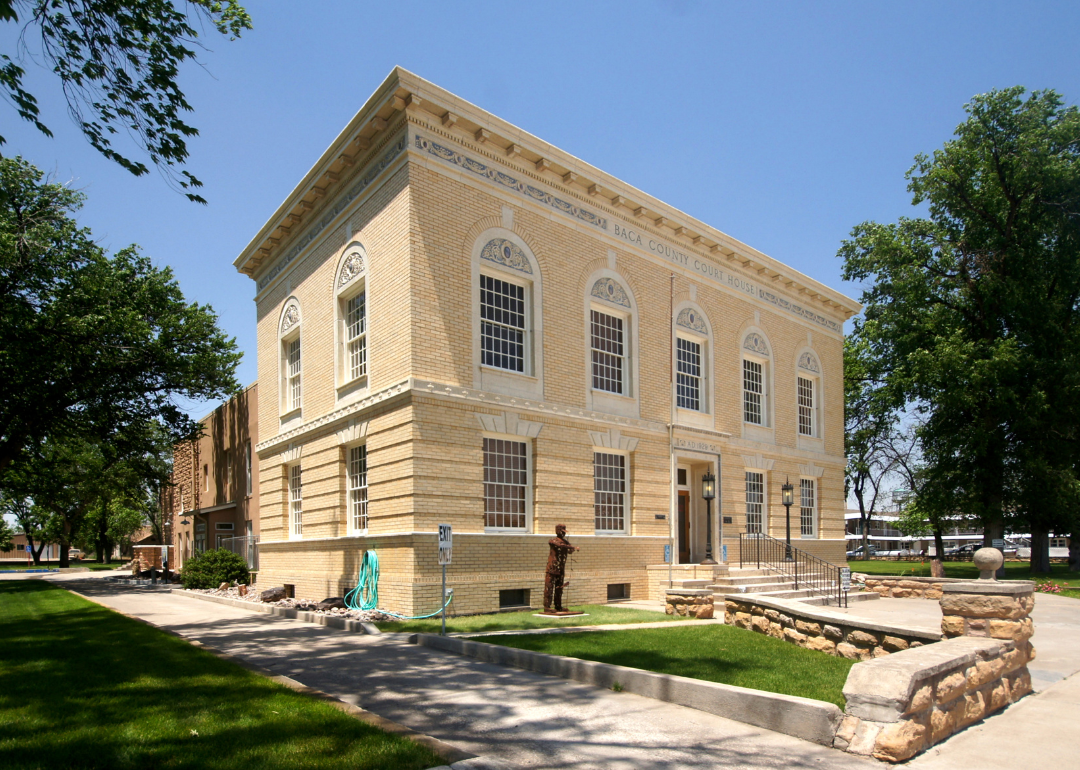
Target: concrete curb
x: 342, y: 624
x: 447, y: 751
x: 804, y: 718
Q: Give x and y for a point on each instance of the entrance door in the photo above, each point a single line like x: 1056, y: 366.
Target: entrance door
x: 684, y: 527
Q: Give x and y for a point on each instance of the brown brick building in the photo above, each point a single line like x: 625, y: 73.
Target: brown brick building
x: 460, y: 323
x: 215, y: 483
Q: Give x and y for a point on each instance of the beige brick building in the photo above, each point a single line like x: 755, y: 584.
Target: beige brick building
x: 460, y: 323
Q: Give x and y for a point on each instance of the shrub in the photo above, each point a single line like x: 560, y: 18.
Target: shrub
x: 210, y: 569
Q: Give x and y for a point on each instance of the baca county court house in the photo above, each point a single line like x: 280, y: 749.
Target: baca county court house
x: 460, y: 323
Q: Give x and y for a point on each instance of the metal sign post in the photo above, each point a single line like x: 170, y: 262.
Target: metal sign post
x: 845, y: 582
x: 446, y: 552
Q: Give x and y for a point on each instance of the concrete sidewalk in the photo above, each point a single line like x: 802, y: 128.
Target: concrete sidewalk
x: 539, y: 721
x: 488, y: 710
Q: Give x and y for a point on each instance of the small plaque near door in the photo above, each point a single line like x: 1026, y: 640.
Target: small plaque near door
x: 727, y: 519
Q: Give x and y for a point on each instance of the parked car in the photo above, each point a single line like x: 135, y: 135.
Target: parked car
x: 75, y: 553
x: 858, y: 552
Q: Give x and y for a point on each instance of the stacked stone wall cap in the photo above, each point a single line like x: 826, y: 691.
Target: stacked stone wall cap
x: 821, y: 615
x: 881, y: 689
x: 688, y: 592
x: 992, y: 587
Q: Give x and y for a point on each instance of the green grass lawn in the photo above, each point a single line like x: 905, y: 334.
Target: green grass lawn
x: 92, y: 565
x: 85, y: 687
x: 598, y: 615
x: 1014, y: 570
x: 711, y: 652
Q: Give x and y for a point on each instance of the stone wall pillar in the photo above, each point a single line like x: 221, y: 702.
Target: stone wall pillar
x: 989, y: 608
x: 689, y: 602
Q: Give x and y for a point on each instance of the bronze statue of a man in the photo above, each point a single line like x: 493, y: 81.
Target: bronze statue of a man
x: 554, y: 578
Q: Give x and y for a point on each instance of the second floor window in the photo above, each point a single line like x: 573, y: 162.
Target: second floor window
x: 356, y: 335
x: 293, y: 372
x: 753, y: 392
x: 806, y: 406
x: 502, y: 324
x: 689, y: 374
x: 607, y: 352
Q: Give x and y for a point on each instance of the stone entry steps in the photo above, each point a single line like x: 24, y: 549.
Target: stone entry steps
x: 757, y: 581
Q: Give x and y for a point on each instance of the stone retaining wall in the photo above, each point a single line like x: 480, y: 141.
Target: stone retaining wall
x: 689, y: 602
x: 818, y: 629
x: 902, y: 704
x: 907, y: 587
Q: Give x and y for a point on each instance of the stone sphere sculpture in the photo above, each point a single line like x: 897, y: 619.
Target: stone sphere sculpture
x: 988, y: 561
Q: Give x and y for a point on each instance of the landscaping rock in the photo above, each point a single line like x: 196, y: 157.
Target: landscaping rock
x: 224, y: 586
x: 332, y: 603
x: 242, y: 590
x: 277, y: 593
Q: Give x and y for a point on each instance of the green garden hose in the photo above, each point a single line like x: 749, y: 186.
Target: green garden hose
x: 365, y: 596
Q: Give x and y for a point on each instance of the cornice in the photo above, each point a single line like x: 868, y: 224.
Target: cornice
x: 404, y: 96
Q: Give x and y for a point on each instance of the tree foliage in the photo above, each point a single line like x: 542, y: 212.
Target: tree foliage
x: 971, y: 313
x: 119, y: 63
x: 92, y: 347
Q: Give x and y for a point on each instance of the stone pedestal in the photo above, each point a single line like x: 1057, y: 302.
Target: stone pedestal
x: 990, y: 608
x: 689, y: 602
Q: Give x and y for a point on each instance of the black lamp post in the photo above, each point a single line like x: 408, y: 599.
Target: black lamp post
x: 708, y: 491
x: 788, y: 492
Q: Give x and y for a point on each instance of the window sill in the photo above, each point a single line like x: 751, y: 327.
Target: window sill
x: 611, y: 533
x: 810, y: 443
x: 494, y: 531
x: 694, y: 419
x: 612, y: 403
x: 507, y: 372
x: 292, y: 416
x: 353, y: 389
x: 356, y: 533
x: 510, y: 383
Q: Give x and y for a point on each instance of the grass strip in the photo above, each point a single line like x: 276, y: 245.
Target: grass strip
x: 93, y: 566
x: 597, y: 615
x: 714, y: 653
x: 85, y: 687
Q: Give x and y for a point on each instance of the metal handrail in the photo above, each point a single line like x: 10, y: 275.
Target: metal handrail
x: 809, y: 573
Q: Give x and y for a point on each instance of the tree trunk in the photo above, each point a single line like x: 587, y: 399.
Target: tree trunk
x: 64, y: 558
x: 995, y: 531
x: 937, y: 564
x: 1074, y: 554
x: 1040, y: 551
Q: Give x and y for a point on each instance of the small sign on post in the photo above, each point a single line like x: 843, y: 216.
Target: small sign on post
x: 845, y: 578
x: 446, y: 553
x: 667, y: 554
x: 998, y: 543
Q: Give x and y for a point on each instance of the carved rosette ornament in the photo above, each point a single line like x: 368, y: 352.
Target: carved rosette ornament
x: 353, y: 266
x: 290, y: 318
x: 755, y: 343
x: 809, y: 363
x: 610, y: 291
x: 506, y: 253
x: 691, y: 319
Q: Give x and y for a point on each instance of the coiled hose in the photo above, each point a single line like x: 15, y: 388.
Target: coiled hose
x: 366, y: 594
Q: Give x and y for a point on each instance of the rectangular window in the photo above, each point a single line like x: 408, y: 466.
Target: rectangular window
x: 296, y: 502
x: 502, y: 324
x: 358, y: 489
x: 247, y: 466
x: 806, y: 407
x: 609, y: 492
x: 807, y: 503
x: 755, y: 501
x: 206, y: 478
x: 753, y: 392
x: 293, y: 349
x: 506, y: 479
x: 689, y: 371
x: 607, y: 352
x: 356, y: 335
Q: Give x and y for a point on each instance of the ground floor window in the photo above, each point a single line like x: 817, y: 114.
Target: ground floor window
x: 609, y: 492
x: 506, y: 481
x: 358, y: 488
x: 807, y: 504
x: 296, y: 501
x: 755, y: 501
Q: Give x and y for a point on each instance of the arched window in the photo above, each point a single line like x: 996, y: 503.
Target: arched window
x: 350, y: 292
x: 611, y: 333
x: 756, y: 379
x: 507, y: 318
x: 291, y: 366
x: 693, y: 364
x: 808, y: 394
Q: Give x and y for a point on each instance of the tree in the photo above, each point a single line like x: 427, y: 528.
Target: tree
x: 6, y: 542
x: 92, y: 347
x: 30, y: 520
x: 971, y: 313
x: 868, y: 422
x: 118, y: 62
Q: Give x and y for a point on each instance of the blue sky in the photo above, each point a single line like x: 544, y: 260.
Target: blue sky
x: 782, y: 124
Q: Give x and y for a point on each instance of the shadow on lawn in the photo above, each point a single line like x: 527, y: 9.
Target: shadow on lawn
x: 84, y: 687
